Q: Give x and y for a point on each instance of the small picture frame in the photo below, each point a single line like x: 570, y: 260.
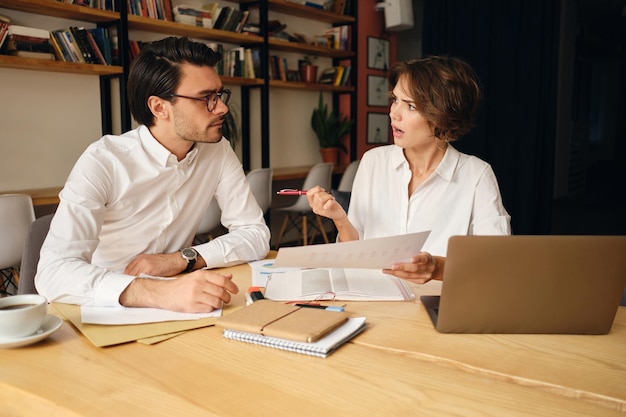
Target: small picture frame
x: 377, y: 91
x: 293, y: 75
x: 377, y: 128
x: 377, y: 53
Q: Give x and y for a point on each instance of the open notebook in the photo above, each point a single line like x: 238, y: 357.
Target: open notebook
x: 530, y: 284
x: 348, y: 284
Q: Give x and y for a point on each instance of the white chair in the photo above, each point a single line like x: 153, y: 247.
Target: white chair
x: 261, y: 185
x: 345, y: 184
x: 16, y: 215
x: 344, y: 190
x: 298, y: 214
x: 37, y: 233
x: 209, y: 223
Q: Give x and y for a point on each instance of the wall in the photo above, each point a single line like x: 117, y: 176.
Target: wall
x: 371, y: 24
x: 47, y: 119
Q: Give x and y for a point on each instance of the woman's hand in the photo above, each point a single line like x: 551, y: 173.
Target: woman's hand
x: 324, y: 204
x: 420, y: 269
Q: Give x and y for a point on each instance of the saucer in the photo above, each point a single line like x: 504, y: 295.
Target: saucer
x: 50, y: 325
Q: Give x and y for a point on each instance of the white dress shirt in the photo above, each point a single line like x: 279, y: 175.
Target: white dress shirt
x: 461, y: 197
x: 128, y: 195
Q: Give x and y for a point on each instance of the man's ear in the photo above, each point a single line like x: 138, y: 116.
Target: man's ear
x: 159, y: 107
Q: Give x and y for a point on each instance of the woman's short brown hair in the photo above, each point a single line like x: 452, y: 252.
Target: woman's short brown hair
x: 446, y: 91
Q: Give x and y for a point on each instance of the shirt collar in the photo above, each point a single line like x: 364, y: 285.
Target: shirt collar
x: 445, y: 169
x: 448, y: 164
x: 159, y: 152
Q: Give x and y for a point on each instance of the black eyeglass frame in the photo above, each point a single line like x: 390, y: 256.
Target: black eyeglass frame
x: 210, y: 99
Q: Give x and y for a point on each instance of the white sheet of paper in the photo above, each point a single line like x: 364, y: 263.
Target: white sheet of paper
x: 136, y: 315
x: 367, y: 253
x: 262, y: 269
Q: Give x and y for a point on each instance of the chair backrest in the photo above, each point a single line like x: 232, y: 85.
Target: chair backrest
x: 261, y: 185
x: 16, y: 216
x: 32, y: 248
x: 211, y: 218
x: 345, y: 185
x: 320, y: 174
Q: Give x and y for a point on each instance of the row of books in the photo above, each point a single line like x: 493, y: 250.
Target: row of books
x: 338, y: 75
x: 72, y: 44
x: 96, y: 4
x: 156, y: 9
x: 213, y: 16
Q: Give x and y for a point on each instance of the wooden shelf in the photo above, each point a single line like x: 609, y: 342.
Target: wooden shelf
x: 303, y: 48
x: 307, y: 12
x: 34, y: 64
x: 241, y: 81
x: 179, y: 29
x: 61, y: 10
x: 311, y: 86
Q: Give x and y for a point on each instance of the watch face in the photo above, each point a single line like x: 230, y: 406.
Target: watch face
x: 189, y: 253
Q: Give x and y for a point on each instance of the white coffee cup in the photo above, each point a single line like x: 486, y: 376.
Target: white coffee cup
x: 21, y: 315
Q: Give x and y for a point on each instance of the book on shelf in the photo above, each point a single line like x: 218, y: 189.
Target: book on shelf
x: 101, y: 36
x: 256, y: 61
x: 98, y: 55
x: 154, y: 9
x: 249, y: 64
x: 4, y: 26
x: 194, y: 17
x: 340, y: 6
x: 96, y: 4
x: 67, y: 41
x: 346, y: 75
x: 28, y: 31
x: 328, y: 76
x: 339, y: 75
x: 61, y: 51
x: 27, y: 43
x: 348, y: 284
x: 33, y: 54
x: 303, y: 330
x: 220, y: 19
x: 83, y: 44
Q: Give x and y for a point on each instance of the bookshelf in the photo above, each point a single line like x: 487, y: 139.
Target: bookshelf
x: 271, y: 45
x: 121, y: 22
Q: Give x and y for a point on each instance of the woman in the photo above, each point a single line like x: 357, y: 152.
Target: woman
x: 422, y: 182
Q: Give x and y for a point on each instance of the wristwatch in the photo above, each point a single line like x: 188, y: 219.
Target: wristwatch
x: 191, y: 255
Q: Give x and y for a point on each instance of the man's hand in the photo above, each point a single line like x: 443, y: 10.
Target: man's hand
x: 161, y: 265
x: 420, y: 269
x: 200, y: 291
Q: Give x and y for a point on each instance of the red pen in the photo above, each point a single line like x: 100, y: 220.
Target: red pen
x: 291, y: 191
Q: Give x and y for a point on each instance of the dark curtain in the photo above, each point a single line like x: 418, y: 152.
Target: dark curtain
x: 513, y: 46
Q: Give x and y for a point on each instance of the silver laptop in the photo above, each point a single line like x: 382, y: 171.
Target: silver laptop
x: 530, y: 284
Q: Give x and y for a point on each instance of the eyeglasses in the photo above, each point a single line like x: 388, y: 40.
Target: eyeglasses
x: 210, y: 99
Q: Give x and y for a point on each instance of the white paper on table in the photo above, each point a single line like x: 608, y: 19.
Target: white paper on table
x: 262, y: 269
x: 136, y: 315
x: 366, y: 253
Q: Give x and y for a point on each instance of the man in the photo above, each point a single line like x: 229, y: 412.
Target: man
x: 131, y: 206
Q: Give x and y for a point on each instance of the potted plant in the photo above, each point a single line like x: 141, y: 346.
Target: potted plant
x: 330, y: 127
x: 308, y: 71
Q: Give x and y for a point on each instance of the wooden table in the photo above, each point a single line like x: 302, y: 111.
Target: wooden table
x: 399, y: 366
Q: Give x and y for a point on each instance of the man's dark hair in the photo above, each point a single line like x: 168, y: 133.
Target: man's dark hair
x: 156, y: 72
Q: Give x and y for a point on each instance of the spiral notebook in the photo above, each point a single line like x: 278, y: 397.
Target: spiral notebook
x: 287, y: 327
x: 322, y: 348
